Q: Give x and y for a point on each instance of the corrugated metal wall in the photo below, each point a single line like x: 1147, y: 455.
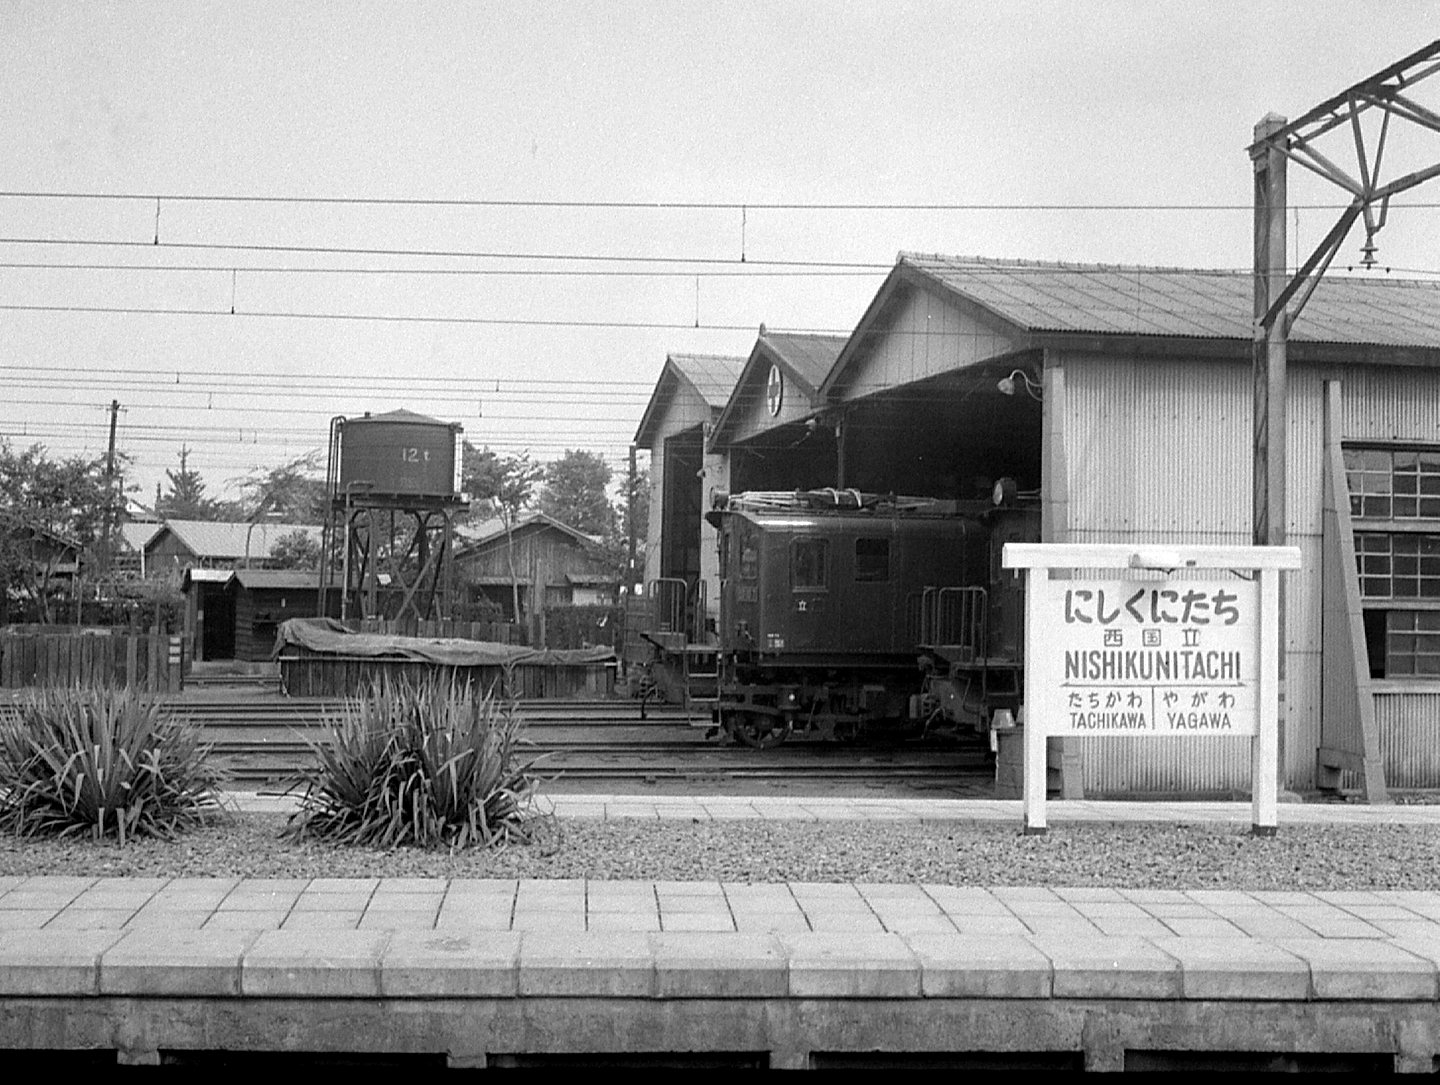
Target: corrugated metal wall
x: 1161, y: 451
x: 1409, y: 727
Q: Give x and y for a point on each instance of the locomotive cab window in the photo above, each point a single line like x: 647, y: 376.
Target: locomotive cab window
x: 872, y: 559
x: 809, y: 564
x: 1395, y: 509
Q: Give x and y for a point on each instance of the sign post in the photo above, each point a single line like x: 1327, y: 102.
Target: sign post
x: 1139, y: 643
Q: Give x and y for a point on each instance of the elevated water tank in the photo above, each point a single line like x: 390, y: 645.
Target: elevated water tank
x: 399, y: 454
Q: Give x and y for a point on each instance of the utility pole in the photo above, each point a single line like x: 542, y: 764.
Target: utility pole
x: 1280, y: 296
x: 630, y: 522
x: 107, y: 548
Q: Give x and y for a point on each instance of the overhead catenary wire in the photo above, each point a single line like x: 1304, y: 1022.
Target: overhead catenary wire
x: 742, y: 206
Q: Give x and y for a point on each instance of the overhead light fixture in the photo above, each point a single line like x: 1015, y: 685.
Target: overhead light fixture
x: 1007, y: 385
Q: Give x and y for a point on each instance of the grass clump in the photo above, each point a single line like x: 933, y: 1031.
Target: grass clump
x: 106, y: 762
x: 424, y: 763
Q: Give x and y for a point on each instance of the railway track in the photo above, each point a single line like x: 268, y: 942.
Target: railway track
x: 267, y: 740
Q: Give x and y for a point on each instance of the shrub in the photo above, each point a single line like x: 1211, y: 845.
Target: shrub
x: 425, y: 763
x: 105, y: 761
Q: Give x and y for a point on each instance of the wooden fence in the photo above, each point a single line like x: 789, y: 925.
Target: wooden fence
x: 305, y: 675
x: 493, y: 632
x: 145, y: 661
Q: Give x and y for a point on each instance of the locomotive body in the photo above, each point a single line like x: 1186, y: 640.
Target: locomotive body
x: 825, y: 599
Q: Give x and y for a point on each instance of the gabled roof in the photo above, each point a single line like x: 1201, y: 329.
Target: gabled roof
x: 226, y: 540
x: 272, y: 579
x: 490, y: 532
x: 252, y: 579
x: 806, y: 360
x: 710, y: 376
x: 1051, y: 300
x: 136, y: 534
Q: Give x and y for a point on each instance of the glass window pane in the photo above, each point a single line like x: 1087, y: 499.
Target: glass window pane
x: 1378, y: 507
x: 808, y: 563
x: 872, y: 559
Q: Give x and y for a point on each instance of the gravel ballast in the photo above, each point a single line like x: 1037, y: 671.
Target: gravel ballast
x: 1144, y: 856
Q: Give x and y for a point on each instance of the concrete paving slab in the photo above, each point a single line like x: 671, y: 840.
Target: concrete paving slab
x: 407, y: 902
x: 343, y: 920
x: 1227, y: 968
x: 623, y: 921
x: 442, y: 964
x: 244, y: 919
x: 993, y: 926
x: 40, y: 897
x: 315, y: 964
x: 697, y: 921
x: 980, y: 966
x: 768, y: 922
x: 719, y: 965
x: 327, y: 902
x: 570, y: 921
x: 851, y: 965
x: 175, y: 963
x: 586, y: 965
x: 342, y: 885
x: 404, y: 919
x: 90, y: 919
x: 53, y: 963
x: 1202, y: 927
x: 832, y: 921
x: 25, y: 919
x: 1102, y: 967
x: 488, y: 888
x: 149, y: 918
x: 1363, y: 969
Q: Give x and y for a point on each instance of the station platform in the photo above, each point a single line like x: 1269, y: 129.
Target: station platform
x: 476, y: 972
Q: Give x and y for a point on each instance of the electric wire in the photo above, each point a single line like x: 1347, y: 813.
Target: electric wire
x: 652, y: 205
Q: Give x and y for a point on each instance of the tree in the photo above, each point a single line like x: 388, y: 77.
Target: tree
x: 51, y: 513
x: 505, y: 484
x: 295, y: 550
x: 186, y: 499
x: 292, y: 493
x: 575, y: 492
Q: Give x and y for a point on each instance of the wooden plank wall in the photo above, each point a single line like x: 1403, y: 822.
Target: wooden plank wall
x: 144, y: 661
x: 493, y: 632
x: 349, y: 676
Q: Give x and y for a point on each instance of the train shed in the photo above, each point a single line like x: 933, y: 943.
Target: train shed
x: 1123, y: 396
x: 688, y: 398
x: 774, y: 431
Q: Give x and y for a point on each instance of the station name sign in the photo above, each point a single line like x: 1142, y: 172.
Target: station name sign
x: 1153, y: 657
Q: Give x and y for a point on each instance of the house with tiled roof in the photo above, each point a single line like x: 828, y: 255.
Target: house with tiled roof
x: 206, y: 544
x: 545, y: 562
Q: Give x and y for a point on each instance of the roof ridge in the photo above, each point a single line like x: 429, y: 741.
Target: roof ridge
x: 960, y: 263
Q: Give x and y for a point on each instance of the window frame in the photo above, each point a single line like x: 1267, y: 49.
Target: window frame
x: 1411, y: 652
x: 823, y: 544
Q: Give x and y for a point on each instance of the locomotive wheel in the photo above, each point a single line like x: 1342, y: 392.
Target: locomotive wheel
x: 759, y: 731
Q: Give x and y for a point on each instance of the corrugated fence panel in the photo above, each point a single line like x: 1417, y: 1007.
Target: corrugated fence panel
x: 1122, y: 766
x: 1409, y: 726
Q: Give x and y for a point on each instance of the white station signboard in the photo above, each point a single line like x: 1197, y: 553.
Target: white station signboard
x: 1117, y: 644
x: 1133, y: 657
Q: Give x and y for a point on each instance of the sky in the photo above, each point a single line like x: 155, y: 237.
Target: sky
x: 240, y: 220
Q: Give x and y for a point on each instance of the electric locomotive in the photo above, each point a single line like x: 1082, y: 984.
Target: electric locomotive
x: 830, y: 598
